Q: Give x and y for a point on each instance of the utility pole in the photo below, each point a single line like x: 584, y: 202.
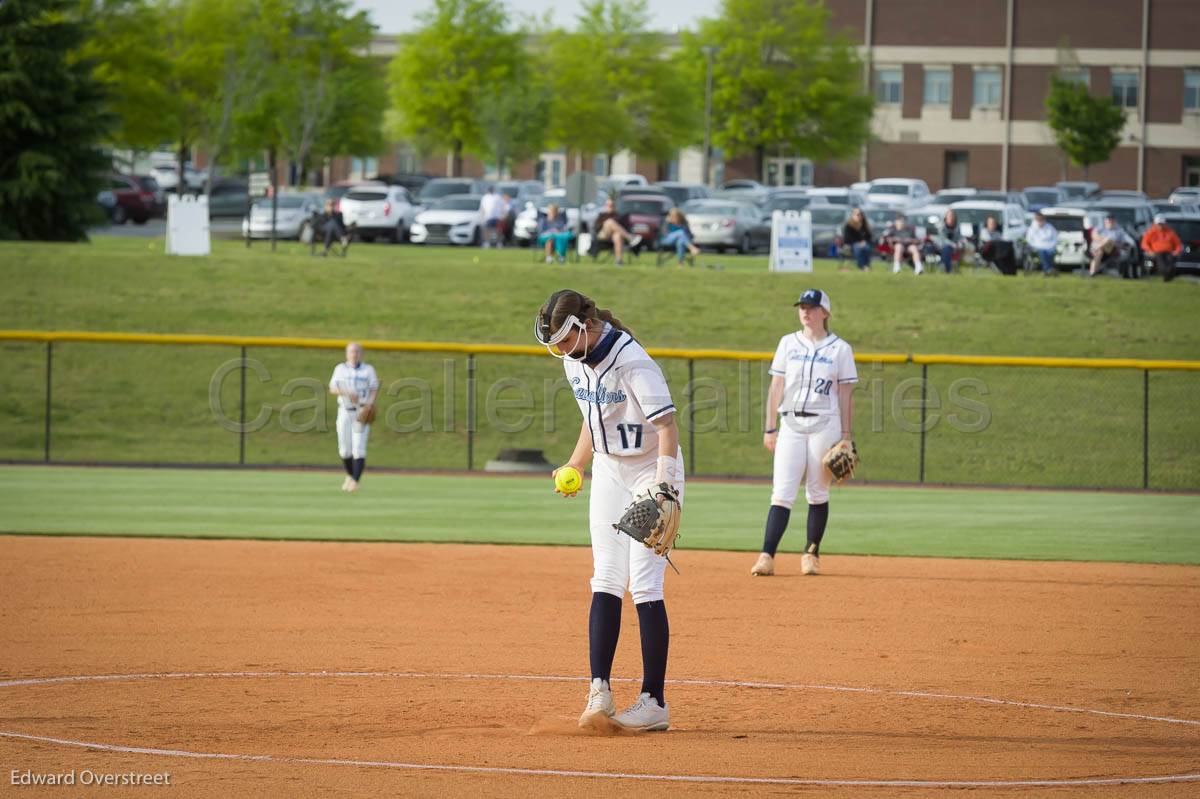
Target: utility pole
x: 709, y: 51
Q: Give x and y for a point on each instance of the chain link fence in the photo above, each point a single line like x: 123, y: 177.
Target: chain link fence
x: 73, y: 401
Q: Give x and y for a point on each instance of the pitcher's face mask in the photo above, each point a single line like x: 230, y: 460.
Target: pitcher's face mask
x: 557, y: 343
x: 561, y: 343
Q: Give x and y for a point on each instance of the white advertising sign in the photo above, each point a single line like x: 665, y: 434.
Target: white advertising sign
x: 791, y: 242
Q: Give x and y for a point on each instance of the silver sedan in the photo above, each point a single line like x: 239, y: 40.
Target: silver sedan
x: 723, y: 225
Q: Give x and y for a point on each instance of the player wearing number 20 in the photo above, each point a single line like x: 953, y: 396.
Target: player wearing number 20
x: 629, y: 435
x: 809, y: 409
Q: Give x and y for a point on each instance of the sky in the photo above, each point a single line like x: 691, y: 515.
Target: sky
x: 398, y: 16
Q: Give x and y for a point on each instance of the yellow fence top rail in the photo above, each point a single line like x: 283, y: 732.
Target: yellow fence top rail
x: 515, y: 349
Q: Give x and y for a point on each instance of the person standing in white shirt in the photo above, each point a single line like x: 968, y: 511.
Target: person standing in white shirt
x: 491, y: 209
x: 355, y: 384
x: 809, y: 409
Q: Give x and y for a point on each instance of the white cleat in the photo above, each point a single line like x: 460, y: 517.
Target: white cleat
x: 810, y: 564
x: 352, y: 485
x: 599, y: 704
x: 764, y: 566
x: 920, y: 270
x: 646, y: 715
x: 346, y: 483
x: 896, y: 269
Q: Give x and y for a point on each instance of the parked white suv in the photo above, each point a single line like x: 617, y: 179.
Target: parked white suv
x: 1072, y: 225
x: 377, y: 210
x: 898, y: 193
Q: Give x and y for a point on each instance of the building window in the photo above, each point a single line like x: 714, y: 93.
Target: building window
x: 887, y: 86
x: 1191, y: 90
x: 937, y: 87
x: 600, y: 165
x: 1125, y: 89
x: 1076, y: 75
x: 987, y: 88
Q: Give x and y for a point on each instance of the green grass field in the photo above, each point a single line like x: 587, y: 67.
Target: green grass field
x: 1041, y: 525
x: 118, y: 403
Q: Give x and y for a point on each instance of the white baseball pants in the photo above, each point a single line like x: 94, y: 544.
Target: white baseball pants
x: 619, y: 562
x: 802, y: 442
x: 352, y: 436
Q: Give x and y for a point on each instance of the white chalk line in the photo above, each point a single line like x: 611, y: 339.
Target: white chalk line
x: 687, y: 778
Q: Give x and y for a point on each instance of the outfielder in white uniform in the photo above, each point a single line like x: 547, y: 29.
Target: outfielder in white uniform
x: 630, y: 437
x: 809, y: 409
x: 355, y: 385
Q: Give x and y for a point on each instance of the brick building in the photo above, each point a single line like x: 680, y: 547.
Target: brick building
x: 960, y: 92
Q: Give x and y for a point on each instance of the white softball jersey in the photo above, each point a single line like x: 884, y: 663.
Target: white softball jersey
x: 620, y: 396
x: 352, y: 435
x: 815, y: 374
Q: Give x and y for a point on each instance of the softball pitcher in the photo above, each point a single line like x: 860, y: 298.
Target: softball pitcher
x: 809, y: 410
x: 355, y: 385
x: 630, y: 437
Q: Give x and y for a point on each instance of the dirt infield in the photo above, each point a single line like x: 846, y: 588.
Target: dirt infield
x: 351, y: 669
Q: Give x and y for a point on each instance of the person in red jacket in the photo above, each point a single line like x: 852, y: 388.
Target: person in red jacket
x: 1163, y: 245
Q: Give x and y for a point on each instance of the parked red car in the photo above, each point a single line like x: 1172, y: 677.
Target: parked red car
x: 645, y: 213
x: 124, y: 198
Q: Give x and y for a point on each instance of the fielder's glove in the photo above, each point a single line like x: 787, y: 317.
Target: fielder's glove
x: 653, y: 519
x: 841, y: 460
x: 366, y: 414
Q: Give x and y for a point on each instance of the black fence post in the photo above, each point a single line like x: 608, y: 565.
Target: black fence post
x: 49, y: 367
x: 924, y: 383
x: 1145, y: 428
x: 691, y: 396
x: 470, y: 412
x: 242, y: 414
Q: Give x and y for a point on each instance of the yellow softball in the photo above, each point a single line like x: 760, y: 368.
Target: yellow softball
x: 568, y: 480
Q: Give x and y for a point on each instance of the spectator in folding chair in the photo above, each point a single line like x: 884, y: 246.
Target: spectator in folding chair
x: 1164, y: 246
x: 997, y: 250
x: 553, y: 233
x: 677, y: 234
x: 905, y: 244
x: 334, y: 227
x: 856, y: 234
x: 612, y: 230
x: 1112, y: 246
x: 949, y: 240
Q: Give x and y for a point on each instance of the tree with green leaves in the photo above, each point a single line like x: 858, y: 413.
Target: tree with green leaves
x: 1087, y: 129
x: 175, y: 69
x: 463, y: 51
x: 326, y: 97
x: 783, y: 82
x: 615, y: 89
x: 52, y: 118
x: 514, y: 114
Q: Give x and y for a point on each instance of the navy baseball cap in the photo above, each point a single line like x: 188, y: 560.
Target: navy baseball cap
x: 814, y: 297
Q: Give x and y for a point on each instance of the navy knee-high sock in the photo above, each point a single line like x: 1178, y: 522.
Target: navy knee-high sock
x: 359, y: 465
x: 349, y: 464
x: 777, y: 522
x: 656, y: 639
x: 818, y: 516
x: 604, y: 627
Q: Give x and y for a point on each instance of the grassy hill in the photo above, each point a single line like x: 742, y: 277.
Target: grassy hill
x: 146, y: 403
